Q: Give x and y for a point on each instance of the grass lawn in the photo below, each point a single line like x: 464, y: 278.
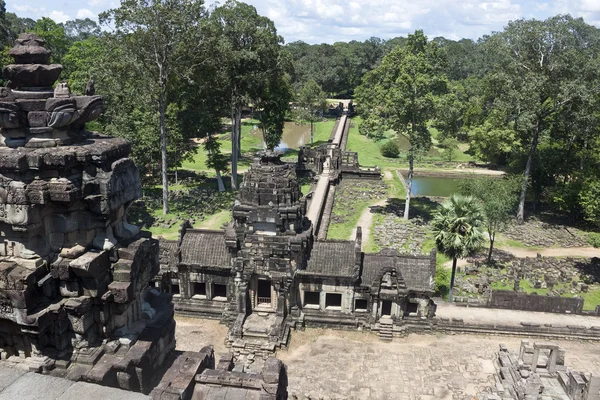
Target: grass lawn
x: 369, y: 153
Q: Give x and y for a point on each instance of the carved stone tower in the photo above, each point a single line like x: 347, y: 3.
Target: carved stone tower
x: 73, y: 273
x: 270, y: 238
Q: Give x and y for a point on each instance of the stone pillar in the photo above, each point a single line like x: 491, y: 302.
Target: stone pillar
x: 375, y: 304
x: 552, y: 361
x: 184, y: 282
x: 534, y: 359
x: 240, y: 293
x: 281, y: 304
x: 209, y: 290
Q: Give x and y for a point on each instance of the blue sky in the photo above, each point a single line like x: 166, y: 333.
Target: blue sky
x: 316, y: 21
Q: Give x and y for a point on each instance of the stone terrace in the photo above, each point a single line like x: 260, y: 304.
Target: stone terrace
x: 327, y: 364
x: 331, y: 364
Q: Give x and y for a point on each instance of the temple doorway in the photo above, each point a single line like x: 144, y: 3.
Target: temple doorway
x: 263, y: 293
x: 386, y: 308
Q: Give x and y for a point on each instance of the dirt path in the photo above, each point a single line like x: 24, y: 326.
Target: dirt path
x: 587, y: 252
x: 554, y: 252
x: 366, y: 221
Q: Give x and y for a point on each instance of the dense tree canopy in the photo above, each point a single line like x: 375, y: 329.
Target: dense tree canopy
x: 524, y: 99
x: 401, y: 93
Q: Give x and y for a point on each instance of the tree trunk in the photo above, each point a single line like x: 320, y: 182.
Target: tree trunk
x: 163, y: 152
x: 311, y: 132
x: 452, y: 280
x: 220, y: 181
x: 220, y: 184
x: 534, y: 143
x: 492, y: 239
x: 234, y: 145
x: 411, y: 162
x: 239, y: 131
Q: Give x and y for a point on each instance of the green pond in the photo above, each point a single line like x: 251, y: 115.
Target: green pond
x: 434, y: 186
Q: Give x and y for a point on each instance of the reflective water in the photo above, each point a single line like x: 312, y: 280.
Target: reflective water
x: 434, y: 186
x: 294, y: 135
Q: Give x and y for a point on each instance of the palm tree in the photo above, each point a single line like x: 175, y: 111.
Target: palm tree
x: 458, y: 229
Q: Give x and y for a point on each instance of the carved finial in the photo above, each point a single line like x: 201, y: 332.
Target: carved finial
x: 62, y: 90
x: 90, y: 90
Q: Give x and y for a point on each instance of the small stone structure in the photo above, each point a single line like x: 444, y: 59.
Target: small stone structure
x: 538, y: 372
x: 266, y: 273
x: 74, y: 295
x: 194, y: 376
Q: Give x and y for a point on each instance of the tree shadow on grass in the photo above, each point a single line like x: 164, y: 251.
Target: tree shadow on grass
x: 420, y: 207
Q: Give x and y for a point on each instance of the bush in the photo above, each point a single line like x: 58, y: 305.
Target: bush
x: 390, y: 149
x: 450, y: 146
x: 594, y: 239
x: 442, y: 281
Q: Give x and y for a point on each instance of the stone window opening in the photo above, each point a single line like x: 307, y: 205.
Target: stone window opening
x: 219, y: 292
x: 333, y: 301
x: 312, y: 300
x: 411, y: 308
x: 360, y: 305
x: 199, y: 290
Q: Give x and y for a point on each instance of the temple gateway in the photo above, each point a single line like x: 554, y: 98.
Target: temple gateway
x: 266, y: 273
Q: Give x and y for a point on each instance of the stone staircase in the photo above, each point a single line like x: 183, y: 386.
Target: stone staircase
x: 386, y: 329
x: 261, y: 336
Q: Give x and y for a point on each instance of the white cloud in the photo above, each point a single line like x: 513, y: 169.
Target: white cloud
x: 26, y: 8
x: 84, y: 13
x: 318, y: 21
x: 59, y: 16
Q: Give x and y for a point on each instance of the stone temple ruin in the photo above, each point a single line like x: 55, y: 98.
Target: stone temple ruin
x: 73, y: 273
x: 538, y: 372
x: 75, y: 299
x: 265, y: 274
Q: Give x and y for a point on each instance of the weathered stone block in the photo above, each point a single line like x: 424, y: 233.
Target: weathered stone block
x: 37, y: 118
x: 91, y: 264
x: 122, y: 291
x: 32, y: 104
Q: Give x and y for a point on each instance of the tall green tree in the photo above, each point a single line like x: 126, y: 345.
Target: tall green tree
x: 313, y: 101
x: 457, y: 228
x: 55, y: 36
x: 245, y: 46
x: 162, y: 40
x: 274, y: 105
x: 81, y: 29
x: 536, y: 68
x: 402, y: 90
x: 498, y: 199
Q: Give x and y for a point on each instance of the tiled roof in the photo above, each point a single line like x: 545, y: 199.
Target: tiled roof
x: 205, y: 248
x: 372, y: 264
x: 416, y: 271
x: 168, y: 253
x: 332, y: 258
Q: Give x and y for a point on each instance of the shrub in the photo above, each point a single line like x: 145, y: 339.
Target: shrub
x: 390, y: 149
x: 450, y: 146
x: 594, y: 239
x: 442, y: 281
